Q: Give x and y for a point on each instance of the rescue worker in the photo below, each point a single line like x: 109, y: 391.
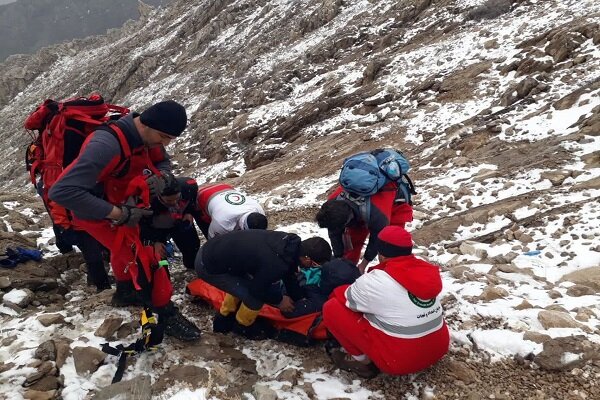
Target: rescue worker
x: 225, y: 209
x: 349, y: 221
x: 174, y: 210
x: 106, y: 191
x: 391, y: 318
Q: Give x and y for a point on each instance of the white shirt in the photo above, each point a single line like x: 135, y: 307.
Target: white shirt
x: 228, y: 211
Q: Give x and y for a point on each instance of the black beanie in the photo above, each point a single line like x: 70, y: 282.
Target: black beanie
x: 167, y: 116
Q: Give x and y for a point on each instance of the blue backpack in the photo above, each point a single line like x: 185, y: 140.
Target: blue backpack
x: 364, y: 174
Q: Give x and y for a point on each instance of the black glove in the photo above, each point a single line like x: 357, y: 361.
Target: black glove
x: 156, y: 184
x: 131, y: 215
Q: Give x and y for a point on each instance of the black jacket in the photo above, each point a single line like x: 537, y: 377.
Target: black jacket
x: 159, y: 226
x: 265, y: 256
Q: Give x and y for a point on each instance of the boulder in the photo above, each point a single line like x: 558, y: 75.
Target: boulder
x: 562, y: 45
x: 566, y: 353
x: 63, y: 351
x: 51, y: 319
x: 531, y: 66
x: 492, y: 293
x: 554, y: 294
x: 536, y: 337
x: 462, y: 372
x: 87, y: 359
x: 46, y: 351
x: 289, y: 375
x: 263, y: 392
x: 557, y: 319
x: 581, y: 290
x: 468, y: 248
x: 556, y: 177
x: 4, y: 282
x: 138, y: 388
x: 108, y: 328
x: 525, y: 305
x: 192, y: 375
x: 525, y: 87
x: 39, y: 395
x: 47, y: 383
x: 587, y: 276
x: 128, y: 328
x: 19, y: 297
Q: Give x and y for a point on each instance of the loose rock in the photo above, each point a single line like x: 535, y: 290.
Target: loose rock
x: 87, y: 359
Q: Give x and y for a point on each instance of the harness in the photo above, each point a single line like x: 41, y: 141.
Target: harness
x: 152, y: 335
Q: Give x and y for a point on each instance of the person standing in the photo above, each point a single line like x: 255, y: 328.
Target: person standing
x: 173, y: 217
x: 349, y: 221
x: 107, y: 193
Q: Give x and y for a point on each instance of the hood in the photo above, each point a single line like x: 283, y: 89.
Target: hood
x: 419, y: 277
x: 285, y: 245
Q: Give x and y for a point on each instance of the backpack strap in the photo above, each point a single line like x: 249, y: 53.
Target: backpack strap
x: 123, y: 165
x: 406, y: 188
x: 118, y: 132
x: 363, y: 203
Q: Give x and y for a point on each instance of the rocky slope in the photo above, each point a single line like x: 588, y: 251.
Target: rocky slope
x: 496, y: 104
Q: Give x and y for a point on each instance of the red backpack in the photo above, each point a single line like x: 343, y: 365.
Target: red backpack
x: 62, y: 128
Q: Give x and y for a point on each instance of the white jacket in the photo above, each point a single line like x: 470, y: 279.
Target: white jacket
x: 390, y: 308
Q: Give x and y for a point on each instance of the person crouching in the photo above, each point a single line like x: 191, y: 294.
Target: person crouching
x: 245, y: 264
x: 391, y: 318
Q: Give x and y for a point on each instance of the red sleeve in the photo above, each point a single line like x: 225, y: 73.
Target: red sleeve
x: 339, y: 293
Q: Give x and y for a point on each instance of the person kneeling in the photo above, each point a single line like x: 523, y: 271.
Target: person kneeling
x: 245, y: 264
x: 390, y: 319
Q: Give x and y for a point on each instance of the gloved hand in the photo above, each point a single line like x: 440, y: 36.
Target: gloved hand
x: 286, y: 305
x: 131, y: 215
x: 156, y: 184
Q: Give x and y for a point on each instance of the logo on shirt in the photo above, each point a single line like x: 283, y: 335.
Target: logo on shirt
x: 420, y: 302
x: 235, y: 198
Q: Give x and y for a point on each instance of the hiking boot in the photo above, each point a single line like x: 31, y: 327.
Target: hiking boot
x: 178, y: 326
x: 345, y: 361
x: 223, y: 323
x: 259, y: 330
x: 331, y: 344
x: 101, y: 284
x: 126, y: 295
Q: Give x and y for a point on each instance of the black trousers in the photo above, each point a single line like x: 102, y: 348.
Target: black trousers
x: 92, y: 252
x: 237, y: 286
x: 187, y: 241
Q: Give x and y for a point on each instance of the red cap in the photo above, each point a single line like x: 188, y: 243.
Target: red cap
x: 394, y: 241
